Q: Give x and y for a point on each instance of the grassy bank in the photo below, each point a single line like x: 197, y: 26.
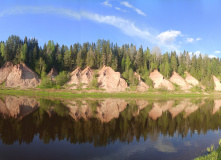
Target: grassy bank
x: 213, y: 154
x: 62, y: 93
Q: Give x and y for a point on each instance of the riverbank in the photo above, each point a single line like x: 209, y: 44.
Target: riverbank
x: 213, y: 155
x: 83, y: 93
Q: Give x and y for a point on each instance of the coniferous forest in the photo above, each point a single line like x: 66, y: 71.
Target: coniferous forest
x: 126, y: 58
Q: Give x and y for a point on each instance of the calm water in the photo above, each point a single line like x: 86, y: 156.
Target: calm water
x: 107, y: 129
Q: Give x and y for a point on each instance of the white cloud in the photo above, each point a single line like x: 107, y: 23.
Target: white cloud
x: 212, y: 56
x: 216, y: 52
x: 119, y: 9
x: 197, y: 53
x: 189, y: 40
x: 127, y: 4
x: 124, y: 25
x: 168, y: 36
x: 164, y: 40
x: 106, y: 3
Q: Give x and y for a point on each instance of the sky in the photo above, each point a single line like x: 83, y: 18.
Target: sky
x: 172, y: 25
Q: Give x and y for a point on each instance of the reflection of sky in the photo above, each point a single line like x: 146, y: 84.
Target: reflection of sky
x: 163, y: 147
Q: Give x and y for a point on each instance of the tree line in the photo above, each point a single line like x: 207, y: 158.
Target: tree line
x: 125, y: 59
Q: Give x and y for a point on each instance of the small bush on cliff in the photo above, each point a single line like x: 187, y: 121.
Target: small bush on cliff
x: 94, y: 82
x: 62, y: 78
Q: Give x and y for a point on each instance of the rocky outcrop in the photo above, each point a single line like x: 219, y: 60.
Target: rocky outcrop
x: 141, y: 85
x: 110, y: 109
x: 18, y: 107
x: 110, y: 80
x: 191, y: 80
x: 22, y: 76
x: 81, y: 77
x: 4, y: 71
x: 52, y: 74
x: 75, y: 78
x: 160, y: 82
x: 217, y: 83
x: 177, y: 79
x: 86, y: 76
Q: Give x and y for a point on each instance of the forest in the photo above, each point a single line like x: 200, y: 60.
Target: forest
x: 126, y: 58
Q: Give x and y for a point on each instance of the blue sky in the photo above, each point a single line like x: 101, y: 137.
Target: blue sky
x: 191, y: 25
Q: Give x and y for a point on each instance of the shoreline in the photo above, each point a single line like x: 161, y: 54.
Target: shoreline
x: 86, y: 93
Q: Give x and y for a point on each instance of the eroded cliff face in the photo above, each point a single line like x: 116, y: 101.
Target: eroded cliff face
x: 217, y: 83
x: 110, y: 80
x: 177, y: 79
x: 160, y: 82
x: 52, y: 74
x: 17, y: 107
x: 191, y: 80
x: 23, y: 77
x: 141, y: 85
x: 4, y: 71
x: 79, y: 77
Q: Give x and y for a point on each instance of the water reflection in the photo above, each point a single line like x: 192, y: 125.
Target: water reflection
x: 104, y: 121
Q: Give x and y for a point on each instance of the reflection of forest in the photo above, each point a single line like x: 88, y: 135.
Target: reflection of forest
x: 103, y: 121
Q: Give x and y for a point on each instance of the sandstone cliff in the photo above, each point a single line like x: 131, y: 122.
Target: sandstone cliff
x: 160, y: 82
x: 177, y: 79
x: 217, y: 83
x: 22, y: 76
x: 110, y: 80
x: 4, y: 71
x: 141, y: 85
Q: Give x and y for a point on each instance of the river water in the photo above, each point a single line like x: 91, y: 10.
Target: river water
x: 39, y: 128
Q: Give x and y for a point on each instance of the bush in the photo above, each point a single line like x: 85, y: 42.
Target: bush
x: 46, y: 83
x: 62, y: 78
x: 94, y: 82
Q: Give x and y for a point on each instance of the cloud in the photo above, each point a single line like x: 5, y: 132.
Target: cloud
x: 165, y: 40
x: 191, y: 40
x: 212, y: 56
x: 216, y: 52
x: 168, y: 36
x: 124, y: 25
x: 127, y: 4
x: 106, y: 3
x: 119, y: 9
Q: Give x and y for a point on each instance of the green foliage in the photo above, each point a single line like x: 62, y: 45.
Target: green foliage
x: 46, y: 83
x: 196, y: 89
x: 62, y: 78
x: 94, y: 82
x: 120, y: 58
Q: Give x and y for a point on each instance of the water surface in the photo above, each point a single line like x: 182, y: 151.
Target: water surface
x: 34, y: 128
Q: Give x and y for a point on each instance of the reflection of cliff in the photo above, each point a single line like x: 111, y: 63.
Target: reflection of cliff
x: 17, y: 107
x: 83, y: 121
x: 159, y: 108
x: 110, y: 109
x: 79, y: 110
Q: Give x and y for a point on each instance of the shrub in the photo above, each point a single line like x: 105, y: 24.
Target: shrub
x: 46, y: 83
x: 94, y: 82
x: 62, y: 78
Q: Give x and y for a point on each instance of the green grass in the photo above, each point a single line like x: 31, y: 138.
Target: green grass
x: 213, y: 154
x: 61, y: 93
